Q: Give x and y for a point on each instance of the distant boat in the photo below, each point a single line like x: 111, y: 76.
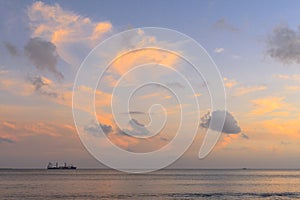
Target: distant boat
x: 56, y: 166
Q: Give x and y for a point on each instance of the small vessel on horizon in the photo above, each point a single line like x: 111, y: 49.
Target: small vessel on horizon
x: 56, y: 166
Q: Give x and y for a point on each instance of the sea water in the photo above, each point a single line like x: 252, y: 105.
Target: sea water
x: 163, y: 184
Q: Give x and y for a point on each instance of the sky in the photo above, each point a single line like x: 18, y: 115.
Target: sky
x: 254, y: 44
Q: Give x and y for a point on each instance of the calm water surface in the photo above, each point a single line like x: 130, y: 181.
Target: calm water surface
x: 164, y: 184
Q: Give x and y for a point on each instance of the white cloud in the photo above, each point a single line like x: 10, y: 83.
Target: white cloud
x: 219, y: 50
x: 236, y: 57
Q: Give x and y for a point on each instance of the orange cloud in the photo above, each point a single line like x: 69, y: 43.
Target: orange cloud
x: 225, y: 140
x: 16, y: 86
x: 128, y: 60
x: 17, y: 130
x: 294, y: 77
x: 60, y: 35
x: 9, y: 125
x: 102, y: 99
x: 230, y: 83
x: 286, y: 128
x: 292, y: 88
x: 100, y: 29
x: 123, y: 141
x: 268, y: 104
x: 246, y: 90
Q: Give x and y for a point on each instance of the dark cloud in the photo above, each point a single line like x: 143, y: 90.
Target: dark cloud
x: 38, y: 82
x: 94, y: 128
x: 12, y: 50
x: 245, y: 136
x: 283, y: 44
x: 135, y: 128
x: 41, y: 85
x: 223, y: 24
x: 43, y: 55
x: 2, y: 140
x: 134, y: 122
x: 230, y: 124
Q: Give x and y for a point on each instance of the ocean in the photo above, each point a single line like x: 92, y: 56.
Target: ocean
x: 163, y: 184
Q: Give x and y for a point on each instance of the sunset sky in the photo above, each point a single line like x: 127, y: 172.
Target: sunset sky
x: 255, y: 45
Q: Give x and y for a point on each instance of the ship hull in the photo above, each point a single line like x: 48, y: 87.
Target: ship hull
x: 62, y: 168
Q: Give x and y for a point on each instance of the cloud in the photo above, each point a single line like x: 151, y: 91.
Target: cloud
x: 16, y: 86
x: 245, y: 136
x: 3, y: 71
x: 230, y: 124
x: 268, y: 105
x: 135, y: 113
x: 100, y: 29
x: 175, y: 85
x: 294, y: 77
x: 9, y: 125
x: 135, y: 128
x: 116, y: 135
x: 283, y: 44
x: 102, y: 101
x: 39, y: 82
x: 230, y: 83
x: 236, y: 57
x: 219, y: 50
x: 12, y: 50
x: 287, y: 128
x: 6, y: 140
x: 285, y: 142
x: 246, y: 90
x: 124, y: 62
x: 43, y: 55
x: 72, y: 34
x: 42, y: 86
x: 223, y: 24
x: 15, y: 131
x: 292, y: 88
x: 122, y: 139
x: 94, y: 128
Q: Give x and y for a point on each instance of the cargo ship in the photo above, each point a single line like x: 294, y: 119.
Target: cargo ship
x: 56, y: 166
